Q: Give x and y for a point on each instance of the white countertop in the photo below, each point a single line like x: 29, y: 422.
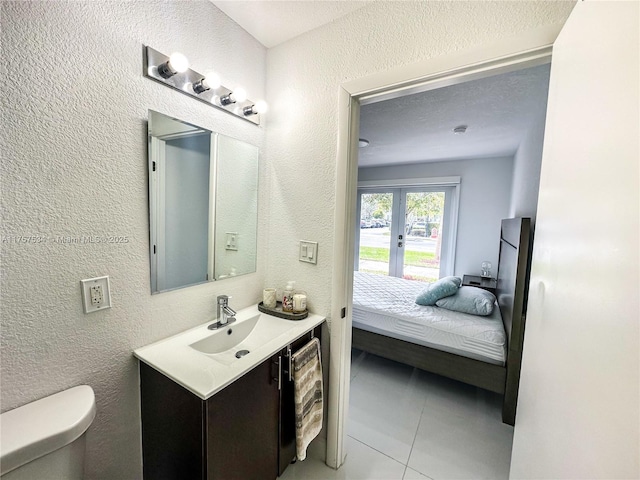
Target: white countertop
x: 206, y: 374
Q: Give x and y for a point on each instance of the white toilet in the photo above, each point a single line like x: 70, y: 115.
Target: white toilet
x: 45, y: 439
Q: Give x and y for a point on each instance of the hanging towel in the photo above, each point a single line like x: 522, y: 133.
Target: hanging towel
x: 307, y: 379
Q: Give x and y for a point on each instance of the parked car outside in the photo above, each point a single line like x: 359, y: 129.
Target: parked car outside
x: 419, y: 229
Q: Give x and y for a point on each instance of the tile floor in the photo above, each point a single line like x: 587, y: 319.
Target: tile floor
x: 406, y: 424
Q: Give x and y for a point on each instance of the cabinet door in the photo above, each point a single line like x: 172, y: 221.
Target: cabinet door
x: 242, y: 427
x: 172, y: 428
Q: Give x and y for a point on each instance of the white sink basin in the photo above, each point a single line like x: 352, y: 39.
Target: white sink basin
x: 233, y: 334
x: 204, y: 361
x: 241, y: 336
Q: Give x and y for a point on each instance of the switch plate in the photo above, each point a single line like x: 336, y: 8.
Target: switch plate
x: 308, y: 251
x: 231, y: 241
x: 96, y: 294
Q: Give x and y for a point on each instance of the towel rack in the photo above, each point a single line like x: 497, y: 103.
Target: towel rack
x: 289, y: 354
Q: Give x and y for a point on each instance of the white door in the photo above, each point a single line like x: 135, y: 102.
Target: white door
x: 578, y: 409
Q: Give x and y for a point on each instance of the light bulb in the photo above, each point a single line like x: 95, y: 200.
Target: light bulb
x: 178, y: 62
x: 260, y: 107
x: 211, y: 80
x: 239, y: 94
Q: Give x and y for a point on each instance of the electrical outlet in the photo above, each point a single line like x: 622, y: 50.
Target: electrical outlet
x: 95, y: 294
x: 97, y: 298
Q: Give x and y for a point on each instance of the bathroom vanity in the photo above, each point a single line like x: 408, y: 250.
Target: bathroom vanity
x: 209, y: 415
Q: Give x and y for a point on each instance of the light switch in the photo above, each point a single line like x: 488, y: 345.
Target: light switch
x: 231, y: 242
x: 308, y: 251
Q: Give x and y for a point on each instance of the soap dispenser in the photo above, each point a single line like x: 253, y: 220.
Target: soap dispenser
x: 287, y: 297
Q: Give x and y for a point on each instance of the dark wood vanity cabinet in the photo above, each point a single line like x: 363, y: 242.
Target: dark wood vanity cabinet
x: 245, y: 432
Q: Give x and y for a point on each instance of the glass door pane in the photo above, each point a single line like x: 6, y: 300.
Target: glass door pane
x: 407, y: 232
x: 375, y: 254
x: 424, y: 217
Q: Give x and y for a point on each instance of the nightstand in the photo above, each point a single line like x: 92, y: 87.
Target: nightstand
x: 489, y: 284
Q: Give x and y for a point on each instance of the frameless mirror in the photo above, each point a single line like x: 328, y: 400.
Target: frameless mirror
x: 203, y: 204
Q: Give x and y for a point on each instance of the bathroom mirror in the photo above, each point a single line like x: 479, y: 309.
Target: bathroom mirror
x: 203, y: 204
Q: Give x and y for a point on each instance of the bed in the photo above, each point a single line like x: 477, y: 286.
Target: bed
x: 482, y: 351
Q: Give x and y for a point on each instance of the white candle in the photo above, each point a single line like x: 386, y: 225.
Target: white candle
x: 299, y: 302
x: 269, y: 297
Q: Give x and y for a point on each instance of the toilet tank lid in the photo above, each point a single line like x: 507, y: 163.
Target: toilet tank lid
x: 43, y: 426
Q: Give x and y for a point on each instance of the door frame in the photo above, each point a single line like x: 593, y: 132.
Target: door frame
x: 157, y: 149
x: 509, y: 54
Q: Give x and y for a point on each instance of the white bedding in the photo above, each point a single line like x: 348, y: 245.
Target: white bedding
x: 386, y: 305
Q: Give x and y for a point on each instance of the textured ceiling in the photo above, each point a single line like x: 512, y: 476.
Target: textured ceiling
x: 498, y: 111
x: 273, y: 22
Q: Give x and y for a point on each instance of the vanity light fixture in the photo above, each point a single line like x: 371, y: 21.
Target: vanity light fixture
x: 363, y: 142
x: 177, y: 63
x: 258, y: 108
x: 206, y: 88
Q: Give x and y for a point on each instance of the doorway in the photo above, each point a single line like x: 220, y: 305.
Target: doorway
x: 453, y: 70
x: 501, y: 111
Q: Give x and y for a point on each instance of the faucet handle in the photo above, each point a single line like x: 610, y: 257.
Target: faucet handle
x: 223, y: 299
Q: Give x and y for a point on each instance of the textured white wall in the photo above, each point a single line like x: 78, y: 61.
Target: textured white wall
x: 303, y: 79
x: 485, y: 191
x: 526, y: 169
x: 74, y: 145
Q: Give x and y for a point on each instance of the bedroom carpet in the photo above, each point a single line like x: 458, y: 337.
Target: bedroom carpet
x: 406, y: 424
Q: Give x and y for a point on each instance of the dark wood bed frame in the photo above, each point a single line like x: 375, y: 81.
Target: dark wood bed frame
x: 513, y: 285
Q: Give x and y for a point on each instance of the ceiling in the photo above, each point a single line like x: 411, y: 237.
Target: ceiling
x: 498, y: 111
x: 272, y: 22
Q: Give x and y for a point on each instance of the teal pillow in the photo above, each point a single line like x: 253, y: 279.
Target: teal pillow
x: 472, y: 300
x: 435, y: 291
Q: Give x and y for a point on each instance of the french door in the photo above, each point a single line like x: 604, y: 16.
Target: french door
x: 406, y: 232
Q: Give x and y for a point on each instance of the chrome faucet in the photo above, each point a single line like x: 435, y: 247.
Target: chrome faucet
x: 225, y: 314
